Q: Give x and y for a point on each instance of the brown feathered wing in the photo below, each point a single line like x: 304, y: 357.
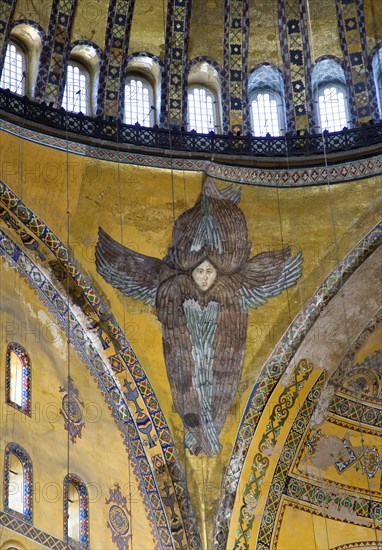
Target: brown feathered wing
x: 134, y: 274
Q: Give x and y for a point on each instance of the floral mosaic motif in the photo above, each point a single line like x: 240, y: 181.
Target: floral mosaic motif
x: 106, y: 382
x: 287, y: 456
x: 368, y: 460
x: 118, y: 521
x: 71, y: 410
x: 276, y: 366
x: 365, y: 377
x: 277, y: 419
x: 27, y: 482
x: 83, y: 509
x: 23, y: 356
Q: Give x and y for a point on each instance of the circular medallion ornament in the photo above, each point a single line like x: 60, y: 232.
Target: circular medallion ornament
x: 72, y: 409
x: 118, y: 520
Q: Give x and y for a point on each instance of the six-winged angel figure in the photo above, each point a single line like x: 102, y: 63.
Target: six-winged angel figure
x: 201, y: 291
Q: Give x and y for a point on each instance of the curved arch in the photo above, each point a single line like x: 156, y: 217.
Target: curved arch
x: 100, y: 369
x: 26, y: 484
x: 150, y: 68
x: 30, y: 23
x: 276, y: 366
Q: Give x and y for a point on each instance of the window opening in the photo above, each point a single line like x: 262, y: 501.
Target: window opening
x: 138, y: 102
x: 265, y: 107
x: 332, y: 108
x: 13, y: 74
x: 201, y: 110
x: 75, y: 98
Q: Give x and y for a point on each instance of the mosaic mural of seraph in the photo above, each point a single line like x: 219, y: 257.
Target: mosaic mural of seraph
x: 201, y: 291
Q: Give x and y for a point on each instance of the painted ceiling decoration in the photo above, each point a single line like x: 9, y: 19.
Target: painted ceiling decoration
x: 215, y: 297
x: 202, y: 290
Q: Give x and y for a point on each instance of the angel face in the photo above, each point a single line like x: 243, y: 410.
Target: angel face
x: 204, y: 275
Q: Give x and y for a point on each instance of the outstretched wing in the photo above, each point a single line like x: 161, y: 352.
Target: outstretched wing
x: 268, y: 274
x: 132, y: 273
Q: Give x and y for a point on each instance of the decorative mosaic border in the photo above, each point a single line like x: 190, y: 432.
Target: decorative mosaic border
x: 373, y: 102
x: 355, y: 68
x: 236, y: 62
x: 275, y: 367
x: 58, y: 306
x: 27, y: 483
x: 55, y: 52
x: 294, y: 177
x: 17, y: 525
x: 277, y: 419
x: 173, y: 105
x: 7, y: 9
x: 114, y: 59
x: 287, y: 456
x: 171, y: 472
x: 294, y: 42
x: 354, y: 411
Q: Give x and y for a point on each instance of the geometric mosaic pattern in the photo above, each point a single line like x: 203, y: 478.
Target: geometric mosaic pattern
x: 282, y: 177
x: 235, y: 61
x: 295, y: 52
x: 354, y: 411
x: 275, y: 367
x: 7, y: 8
x: 114, y: 59
x: 351, y: 26
x: 174, y: 93
x: 55, y: 52
x: 8, y: 521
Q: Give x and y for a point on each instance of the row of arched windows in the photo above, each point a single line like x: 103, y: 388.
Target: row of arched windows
x: 18, y: 472
x: 18, y: 495
x: 142, y: 87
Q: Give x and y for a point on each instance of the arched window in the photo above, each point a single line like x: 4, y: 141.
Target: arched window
x: 18, y: 482
x: 266, y: 99
x: 376, y: 64
x: 76, y: 510
x: 202, y: 116
x: 13, y: 75
x: 332, y: 107
x: 18, y: 378
x: 76, y: 93
x: 330, y: 94
x: 138, y: 101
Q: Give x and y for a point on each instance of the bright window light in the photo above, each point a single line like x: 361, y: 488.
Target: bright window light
x: 138, y: 102
x: 75, y: 96
x: 13, y: 74
x: 332, y: 108
x: 201, y: 110
x: 265, y: 109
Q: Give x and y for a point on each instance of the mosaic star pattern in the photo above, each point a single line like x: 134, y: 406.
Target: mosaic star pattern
x: 55, y: 52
